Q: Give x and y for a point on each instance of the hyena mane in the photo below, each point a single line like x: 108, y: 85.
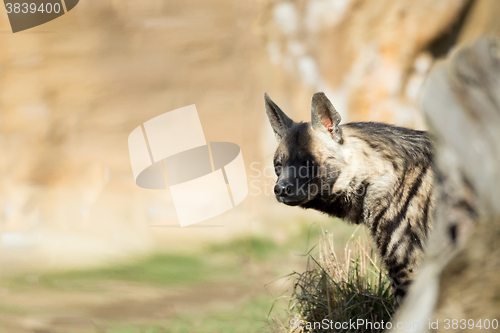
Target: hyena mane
x: 371, y: 173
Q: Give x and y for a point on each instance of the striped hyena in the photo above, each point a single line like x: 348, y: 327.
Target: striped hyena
x: 371, y: 173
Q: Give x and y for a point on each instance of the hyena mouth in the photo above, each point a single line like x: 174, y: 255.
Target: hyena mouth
x: 290, y: 201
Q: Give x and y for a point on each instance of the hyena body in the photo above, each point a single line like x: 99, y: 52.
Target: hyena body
x: 371, y: 173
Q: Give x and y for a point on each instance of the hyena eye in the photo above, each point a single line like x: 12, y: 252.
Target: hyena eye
x: 277, y: 169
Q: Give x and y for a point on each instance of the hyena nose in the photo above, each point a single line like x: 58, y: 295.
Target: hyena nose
x: 283, y: 189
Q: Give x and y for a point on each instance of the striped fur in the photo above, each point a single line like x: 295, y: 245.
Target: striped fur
x: 371, y: 173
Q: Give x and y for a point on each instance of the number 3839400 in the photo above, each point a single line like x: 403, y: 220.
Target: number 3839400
x: 470, y: 324
x: 25, y: 8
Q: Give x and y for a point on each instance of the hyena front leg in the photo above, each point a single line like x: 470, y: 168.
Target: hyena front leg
x: 402, y: 259
x: 401, y: 244
x: 401, y: 275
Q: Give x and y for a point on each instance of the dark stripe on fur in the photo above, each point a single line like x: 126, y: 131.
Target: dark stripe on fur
x: 394, y: 224
x: 425, y: 220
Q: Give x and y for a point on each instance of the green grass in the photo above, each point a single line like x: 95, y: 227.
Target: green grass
x: 164, y: 269
x: 259, y: 248
x: 160, y: 270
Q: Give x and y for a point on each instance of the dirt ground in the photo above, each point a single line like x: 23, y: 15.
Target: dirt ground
x: 107, y: 306
x: 62, y: 311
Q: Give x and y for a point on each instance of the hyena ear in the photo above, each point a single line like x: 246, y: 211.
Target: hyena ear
x: 278, y: 119
x: 324, y: 117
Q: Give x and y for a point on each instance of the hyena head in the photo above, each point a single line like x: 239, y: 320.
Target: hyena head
x: 308, y: 160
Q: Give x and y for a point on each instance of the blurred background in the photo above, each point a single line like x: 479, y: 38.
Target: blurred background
x: 83, y: 249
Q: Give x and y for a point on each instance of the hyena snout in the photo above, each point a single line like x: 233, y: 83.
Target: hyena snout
x: 289, y: 192
x: 282, y: 189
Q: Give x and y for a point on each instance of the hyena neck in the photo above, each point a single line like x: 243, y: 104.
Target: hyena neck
x: 348, y: 206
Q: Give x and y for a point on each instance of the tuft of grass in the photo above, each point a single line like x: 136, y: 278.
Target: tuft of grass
x: 340, y: 289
